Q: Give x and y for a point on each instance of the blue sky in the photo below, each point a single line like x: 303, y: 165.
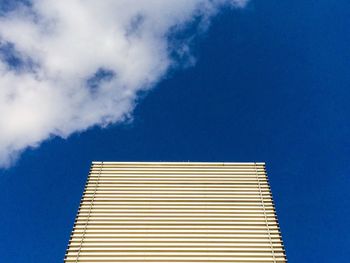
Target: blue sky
x: 270, y: 83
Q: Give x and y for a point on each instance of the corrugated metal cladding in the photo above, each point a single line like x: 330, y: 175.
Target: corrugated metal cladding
x: 176, y: 212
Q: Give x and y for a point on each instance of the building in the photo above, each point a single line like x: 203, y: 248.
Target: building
x: 176, y: 212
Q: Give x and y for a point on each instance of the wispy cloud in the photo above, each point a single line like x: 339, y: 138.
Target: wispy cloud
x: 68, y: 65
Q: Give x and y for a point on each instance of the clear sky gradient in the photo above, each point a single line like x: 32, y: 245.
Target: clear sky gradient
x: 271, y: 84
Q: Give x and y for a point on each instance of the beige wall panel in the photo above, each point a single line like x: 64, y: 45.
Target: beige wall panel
x: 176, y: 212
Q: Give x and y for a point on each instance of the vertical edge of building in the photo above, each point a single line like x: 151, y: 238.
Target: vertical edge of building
x: 69, y: 246
x: 275, y: 213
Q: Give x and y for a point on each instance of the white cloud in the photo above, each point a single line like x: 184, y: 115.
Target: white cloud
x: 68, y: 65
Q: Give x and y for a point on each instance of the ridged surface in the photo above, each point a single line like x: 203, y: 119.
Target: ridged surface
x: 176, y: 212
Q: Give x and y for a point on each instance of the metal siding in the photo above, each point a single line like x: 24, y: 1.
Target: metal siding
x: 176, y: 212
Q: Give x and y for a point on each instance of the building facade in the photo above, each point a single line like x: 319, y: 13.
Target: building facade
x: 176, y: 212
